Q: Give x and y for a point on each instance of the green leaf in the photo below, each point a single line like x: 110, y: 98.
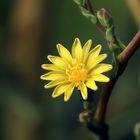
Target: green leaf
x: 122, y: 46
x: 80, y: 2
x: 110, y: 34
x: 88, y: 15
x: 93, y: 19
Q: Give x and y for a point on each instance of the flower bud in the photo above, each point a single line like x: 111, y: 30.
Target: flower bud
x: 105, y: 18
x: 84, y: 117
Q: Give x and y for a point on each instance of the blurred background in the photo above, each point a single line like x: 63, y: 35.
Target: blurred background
x: 29, y: 31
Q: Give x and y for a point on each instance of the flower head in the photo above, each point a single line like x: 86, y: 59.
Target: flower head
x: 79, y: 69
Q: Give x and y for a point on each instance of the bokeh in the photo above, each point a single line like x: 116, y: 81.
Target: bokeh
x: 29, y: 31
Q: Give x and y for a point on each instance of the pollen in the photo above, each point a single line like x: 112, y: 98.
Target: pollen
x: 76, y: 73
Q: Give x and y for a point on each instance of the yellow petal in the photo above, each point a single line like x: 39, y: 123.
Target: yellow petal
x: 60, y: 90
x: 86, y: 49
x: 58, y: 61
x: 63, y: 52
x: 91, y: 84
x: 100, y: 68
x: 51, y: 67
x: 68, y: 93
x: 83, y: 90
x: 77, y: 50
x: 100, y: 78
x: 94, y: 53
x: 55, y: 83
x: 53, y: 76
x: 92, y: 62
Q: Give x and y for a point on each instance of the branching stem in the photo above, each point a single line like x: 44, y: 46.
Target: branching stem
x: 123, y: 59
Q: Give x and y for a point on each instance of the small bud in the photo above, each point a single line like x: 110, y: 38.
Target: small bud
x: 105, y: 18
x: 84, y: 117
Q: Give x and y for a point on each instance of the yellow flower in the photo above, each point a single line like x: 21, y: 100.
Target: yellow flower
x: 80, y: 69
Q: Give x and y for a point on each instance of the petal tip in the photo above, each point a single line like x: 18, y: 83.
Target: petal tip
x: 96, y: 88
x: 99, y: 46
x: 66, y: 100
x: 53, y: 95
x: 111, y: 67
x: 108, y: 80
x: 43, y: 66
x: 84, y: 98
x: 89, y: 42
x: 42, y: 77
x: 105, y: 55
x: 46, y: 86
x: 77, y: 40
x: 58, y: 45
x: 49, y: 56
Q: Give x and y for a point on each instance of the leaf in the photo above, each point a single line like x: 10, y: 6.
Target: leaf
x: 88, y: 15
x: 80, y: 2
x: 122, y: 46
x: 93, y: 19
x: 110, y: 34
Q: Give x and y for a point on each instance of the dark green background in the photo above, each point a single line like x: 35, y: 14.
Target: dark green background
x: 30, y: 109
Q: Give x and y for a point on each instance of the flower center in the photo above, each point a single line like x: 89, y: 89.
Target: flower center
x: 76, y: 73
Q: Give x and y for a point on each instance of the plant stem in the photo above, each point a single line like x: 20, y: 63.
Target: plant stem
x: 130, y: 49
x: 103, y: 101
x: 123, y: 59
